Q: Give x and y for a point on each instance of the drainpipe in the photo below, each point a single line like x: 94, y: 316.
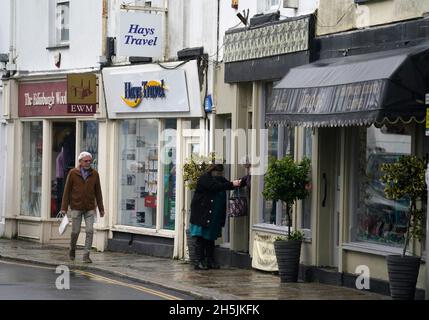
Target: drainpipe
x: 105, y: 13
x: 166, y: 47
x: 12, y: 32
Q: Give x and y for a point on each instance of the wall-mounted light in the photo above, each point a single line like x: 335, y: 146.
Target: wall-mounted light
x: 244, y: 17
x: 57, y: 60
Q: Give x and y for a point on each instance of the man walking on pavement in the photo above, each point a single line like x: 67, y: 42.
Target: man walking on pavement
x: 81, y: 190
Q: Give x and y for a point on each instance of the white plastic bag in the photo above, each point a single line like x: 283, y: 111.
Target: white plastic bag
x: 63, y: 225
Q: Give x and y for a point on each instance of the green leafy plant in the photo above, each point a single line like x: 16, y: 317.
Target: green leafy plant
x: 287, y: 181
x: 196, y: 166
x: 405, y: 178
x: 294, y: 235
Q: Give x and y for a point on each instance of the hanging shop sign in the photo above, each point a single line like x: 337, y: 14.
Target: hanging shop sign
x: 82, y: 93
x: 42, y: 99
x: 264, y: 256
x: 140, y: 35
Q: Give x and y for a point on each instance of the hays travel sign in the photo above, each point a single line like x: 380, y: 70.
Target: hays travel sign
x: 140, y: 35
x: 153, y: 93
x: 148, y: 90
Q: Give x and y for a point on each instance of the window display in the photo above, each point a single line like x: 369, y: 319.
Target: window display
x: 379, y: 219
x: 31, y: 175
x: 138, y: 172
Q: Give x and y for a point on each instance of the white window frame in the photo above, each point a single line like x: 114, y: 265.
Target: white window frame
x: 280, y: 154
x: 353, y: 244
x: 307, y: 231
x: 158, y: 229
x: 58, y: 25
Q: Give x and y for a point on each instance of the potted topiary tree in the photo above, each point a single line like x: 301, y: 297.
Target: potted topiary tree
x: 405, y: 179
x: 287, y: 181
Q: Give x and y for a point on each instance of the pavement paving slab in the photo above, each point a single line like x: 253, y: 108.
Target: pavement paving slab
x: 177, y: 275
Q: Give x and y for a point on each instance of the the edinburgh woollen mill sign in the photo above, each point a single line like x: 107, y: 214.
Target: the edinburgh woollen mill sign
x: 140, y: 35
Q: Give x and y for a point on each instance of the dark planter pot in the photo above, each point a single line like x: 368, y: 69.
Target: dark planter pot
x: 288, y: 254
x: 403, y: 273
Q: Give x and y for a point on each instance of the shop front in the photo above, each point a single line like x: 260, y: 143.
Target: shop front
x: 155, y: 113
x: 47, y: 135
x: 365, y: 110
x: 255, y: 58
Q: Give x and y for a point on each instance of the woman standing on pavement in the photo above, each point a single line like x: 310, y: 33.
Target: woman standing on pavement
x: 208, y: 214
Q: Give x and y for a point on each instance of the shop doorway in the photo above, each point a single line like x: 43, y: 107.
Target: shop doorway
x: 63, y: 160
x: 329, y: 195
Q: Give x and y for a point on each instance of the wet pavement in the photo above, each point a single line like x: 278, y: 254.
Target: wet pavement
x: 21, y: 281
x: 179, y: 276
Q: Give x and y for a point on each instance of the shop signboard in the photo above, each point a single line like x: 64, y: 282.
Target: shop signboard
x: 82, y: 93
x: 146, y: 92
x: 40, y: 99
x: 264, y: 256
x: 140, y: 35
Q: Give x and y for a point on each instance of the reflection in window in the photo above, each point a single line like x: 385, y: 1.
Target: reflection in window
x: 138, y: 172
x: 89, y: 140
x: 169, y: 171
x: 379, y: 219
x: 31, y: 175
x: 281, y: 142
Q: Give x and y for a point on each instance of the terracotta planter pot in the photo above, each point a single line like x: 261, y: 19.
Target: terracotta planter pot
x: 403, y: 273
x: 288, y: 254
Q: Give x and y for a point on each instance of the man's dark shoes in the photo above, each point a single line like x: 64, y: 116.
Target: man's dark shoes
x: 200, y: 266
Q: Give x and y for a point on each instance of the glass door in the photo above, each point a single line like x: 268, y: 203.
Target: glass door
x: 62, y: 161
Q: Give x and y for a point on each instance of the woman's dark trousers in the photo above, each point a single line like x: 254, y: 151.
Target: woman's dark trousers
x: 200, y: 249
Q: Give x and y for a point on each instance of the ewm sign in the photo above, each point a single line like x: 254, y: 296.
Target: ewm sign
x: 140, y: 35
x: 82, y: 93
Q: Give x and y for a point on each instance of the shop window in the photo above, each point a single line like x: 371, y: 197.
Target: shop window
x: 306, y: 203
x: 138, y: 173
x: 62, y: 21
x: 31, y: 174
x: 169, y: 173
x: 378, y: 219
x: 63, y: 160
x: 281, y: 142
x: 89, y: 140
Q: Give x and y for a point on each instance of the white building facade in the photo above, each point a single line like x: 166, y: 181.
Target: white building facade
x: 4, y: 51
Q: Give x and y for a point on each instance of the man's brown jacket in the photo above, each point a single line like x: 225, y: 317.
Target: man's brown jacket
x: 81, y: 194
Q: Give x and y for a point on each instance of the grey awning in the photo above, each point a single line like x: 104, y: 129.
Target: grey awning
x: 355, y: 90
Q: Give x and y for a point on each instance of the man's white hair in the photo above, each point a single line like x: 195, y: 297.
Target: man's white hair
x: 84, y: 154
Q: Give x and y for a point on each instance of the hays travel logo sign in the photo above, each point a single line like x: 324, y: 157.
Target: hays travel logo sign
x: 152, y: 89
x: 140, y: 35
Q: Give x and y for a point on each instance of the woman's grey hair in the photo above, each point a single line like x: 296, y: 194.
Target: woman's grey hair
x: 84, y: 154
